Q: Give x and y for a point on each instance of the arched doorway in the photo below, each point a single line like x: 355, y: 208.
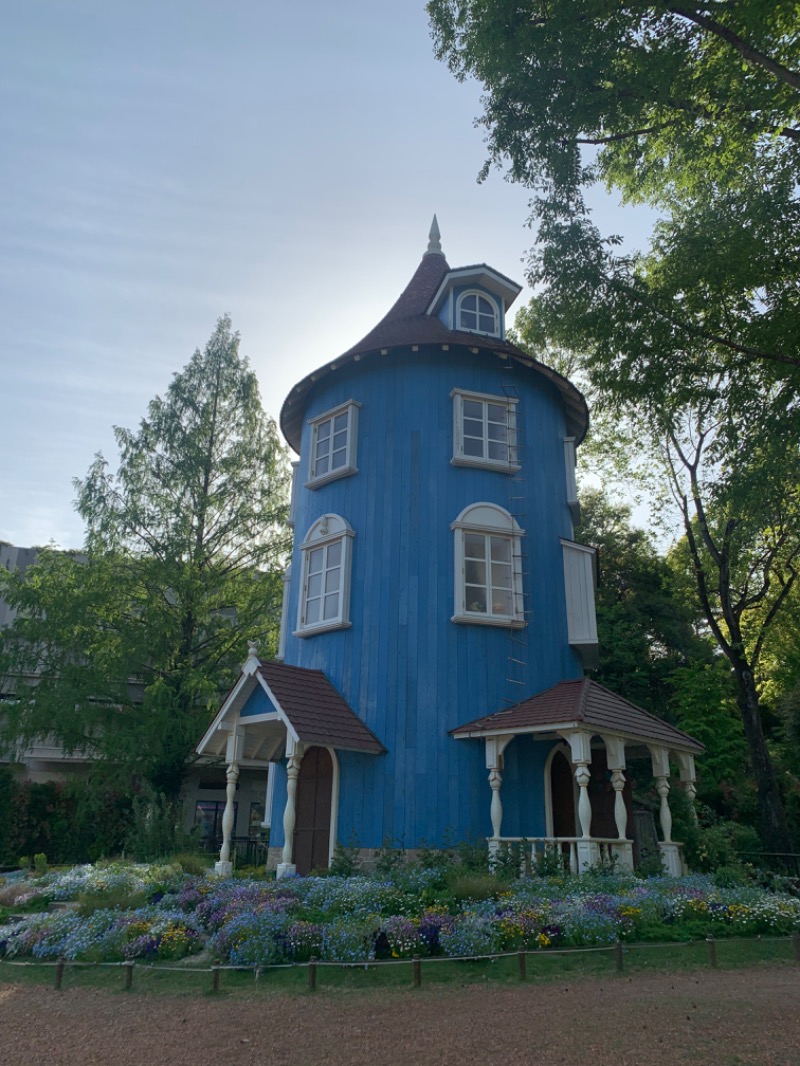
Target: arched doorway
x: 562, y: 793
x: 312, y: 833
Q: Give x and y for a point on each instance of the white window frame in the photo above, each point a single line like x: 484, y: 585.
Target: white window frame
x: 508, y: 465
x: 490, y: 300
x: 491, y: 523
x: 317, y: 424
x: 327, y: 531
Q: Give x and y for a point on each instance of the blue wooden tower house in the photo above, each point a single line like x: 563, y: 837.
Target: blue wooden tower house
x: 438, y: 614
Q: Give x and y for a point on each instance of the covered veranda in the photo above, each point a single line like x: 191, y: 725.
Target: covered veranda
x: 587, y: 729
x: 288, y: 716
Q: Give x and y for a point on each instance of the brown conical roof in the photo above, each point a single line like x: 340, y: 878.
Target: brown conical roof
x: 407, y: 323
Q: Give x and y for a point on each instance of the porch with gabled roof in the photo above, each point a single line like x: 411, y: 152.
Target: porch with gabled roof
x: 276, y: 711
x: 575, y: 712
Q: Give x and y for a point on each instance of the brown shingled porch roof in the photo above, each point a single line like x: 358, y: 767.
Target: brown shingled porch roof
x: 582, y: 704
x: 316, y: 711
x: 303, y: 703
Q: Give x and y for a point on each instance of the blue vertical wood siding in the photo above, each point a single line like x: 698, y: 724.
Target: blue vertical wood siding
x: 408, y: 671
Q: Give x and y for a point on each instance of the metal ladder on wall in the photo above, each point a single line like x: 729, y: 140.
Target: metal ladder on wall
x: 518, y: 661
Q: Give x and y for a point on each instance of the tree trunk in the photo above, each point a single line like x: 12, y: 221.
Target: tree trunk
x: 773, y: 827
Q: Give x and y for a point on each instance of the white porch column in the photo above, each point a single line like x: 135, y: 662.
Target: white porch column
x: 615, y: 754
x: 670, y: 853
x: 688, y: 778
x: 224, y: 868
x: 581, y: 748
x: 268, y: 796
x: 286, y: 867
x: 496, y: 809
x: 495, y: 746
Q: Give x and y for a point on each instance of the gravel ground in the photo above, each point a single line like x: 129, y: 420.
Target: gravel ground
x: 718, y: 1018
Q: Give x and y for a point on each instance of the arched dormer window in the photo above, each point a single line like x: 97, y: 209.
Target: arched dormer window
x: 477, y: 313
x: 324, y: 600
x: 488, y: 577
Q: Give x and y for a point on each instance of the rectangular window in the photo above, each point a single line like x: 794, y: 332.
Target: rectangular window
x: 488, y: 575
x: 208, y: 820
x: 484, y: 431
x: 333, y: 444
x: 323, y: 584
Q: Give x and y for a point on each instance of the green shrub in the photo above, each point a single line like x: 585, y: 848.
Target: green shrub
x: 651, y: 865
x: 344, y: 862
x: 106, y: 899
x: 192, y: 863
x: 468, y: 885
x: 156, y: 827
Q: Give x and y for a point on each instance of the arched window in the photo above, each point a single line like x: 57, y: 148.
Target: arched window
x: 477, y: 313
x: 324, y: 601
x: 488, y: 578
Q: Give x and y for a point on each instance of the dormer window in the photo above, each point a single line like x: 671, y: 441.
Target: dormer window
x: 477, y: 313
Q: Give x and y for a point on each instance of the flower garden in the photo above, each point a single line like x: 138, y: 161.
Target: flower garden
x: 122, y: 911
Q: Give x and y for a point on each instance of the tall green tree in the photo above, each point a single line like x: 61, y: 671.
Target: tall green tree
x: 123, y: 653
x: 694, y: 342
x: 692, y: 109
x: 647, y: 630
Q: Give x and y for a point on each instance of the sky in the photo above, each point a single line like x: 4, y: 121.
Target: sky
x: 164, y: 163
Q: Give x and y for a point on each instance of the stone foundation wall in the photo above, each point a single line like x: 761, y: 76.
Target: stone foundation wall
x: 364, y: 858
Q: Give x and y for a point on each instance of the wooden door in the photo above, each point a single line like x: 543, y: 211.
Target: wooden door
x: 312, y: 833
x: 562, y: 794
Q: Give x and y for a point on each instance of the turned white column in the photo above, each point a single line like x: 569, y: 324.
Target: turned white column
x: 231, y: 779
x: 224, y: 867
x: 495, y: 746
x: 688, y: 778
x: 587, y: 851
x: 660, y: 758
x: 496, y: 810
x: 665, y: 814
x: 670, y: 851
x: 290, y: 811
x: 583, y: 777
x: 615, y: 756
x: 620, y: 811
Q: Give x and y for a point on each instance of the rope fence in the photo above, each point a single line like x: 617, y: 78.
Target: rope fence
x: 617, y: 950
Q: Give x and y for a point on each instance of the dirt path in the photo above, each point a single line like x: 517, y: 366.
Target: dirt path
x: 705, y: 1019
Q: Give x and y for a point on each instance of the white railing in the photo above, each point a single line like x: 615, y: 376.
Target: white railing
x: 570, y: 853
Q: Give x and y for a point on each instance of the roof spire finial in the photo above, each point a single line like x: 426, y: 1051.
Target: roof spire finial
x: 434, y: 244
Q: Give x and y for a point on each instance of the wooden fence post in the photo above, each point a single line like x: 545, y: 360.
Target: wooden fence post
x: 796, y: 946
x: 312, y: 974
x: 521, y: 965
x: 60, y: 972
x: 618, y: 958
x: 712, y: 951
x: 129, y: 974
x: 215, y: 976
x: 417, y: 971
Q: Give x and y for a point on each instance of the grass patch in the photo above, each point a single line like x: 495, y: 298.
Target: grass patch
x: 541, y: 967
